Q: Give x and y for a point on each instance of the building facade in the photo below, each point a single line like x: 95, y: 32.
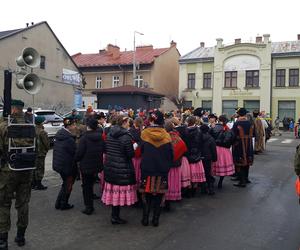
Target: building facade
x: 59, y: 74
x: 156, y: 69
x: 261, y: 75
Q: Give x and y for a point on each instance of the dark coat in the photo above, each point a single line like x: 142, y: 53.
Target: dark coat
x: 193, y: 140
x: 90, y: 152
x: 209, y: 148
x: 215, y: 131
x: 136, y: 135
x: 157, y: 152
x: 64, y: 150
x: 118, y: 167
x: 225, y: 139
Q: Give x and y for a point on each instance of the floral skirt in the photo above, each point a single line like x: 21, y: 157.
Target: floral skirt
x: 197, y: 172
x: 185, y: 173
x: 137, y: 168
x: 224, y: 165
x: 117, y: 195
x: 174, y: 185
x: 154, y: 185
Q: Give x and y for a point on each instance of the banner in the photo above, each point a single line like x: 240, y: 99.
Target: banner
x: 71, y: 77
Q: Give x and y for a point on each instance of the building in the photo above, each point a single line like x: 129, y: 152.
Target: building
x: 157, y: 70
x: 128, y: 96
x: 62, y: 80
x: 260, y: 75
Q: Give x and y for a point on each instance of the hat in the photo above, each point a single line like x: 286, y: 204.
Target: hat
x: 157, y: 117
x: 212, y: 116
x: 198, y: 112
x: 241, y: 111
x: 17, y: 103
x: 204, y: 128
x: 101, y: 115
x: 68, y: 121
x: 29, y: 109
x: 92, y: 123
x: 39, y: 120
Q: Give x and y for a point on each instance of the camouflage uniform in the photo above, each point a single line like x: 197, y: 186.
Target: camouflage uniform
x: 11, y: 182
x: 43, y: 146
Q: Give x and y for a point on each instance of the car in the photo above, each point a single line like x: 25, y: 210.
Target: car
x: 82, y: 112
x: 53, y: 122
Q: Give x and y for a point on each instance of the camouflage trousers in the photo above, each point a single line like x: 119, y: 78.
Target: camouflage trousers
x: 38, y: 173
x: 18, y: 182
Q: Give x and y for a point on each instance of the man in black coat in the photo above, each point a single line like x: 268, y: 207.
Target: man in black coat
x: 90, y: 155
x: 64, y: 162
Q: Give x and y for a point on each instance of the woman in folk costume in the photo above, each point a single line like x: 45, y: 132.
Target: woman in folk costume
x: 242, y: 148
x: 174, y: 177
x: 119, y: 188
x: 224, y: 138
x: 157, y: 159
x: 259, y: 134
x: 193, y: 140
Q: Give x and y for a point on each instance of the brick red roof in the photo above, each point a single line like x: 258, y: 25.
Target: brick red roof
x: 144, y: 55
x: 129, y: 89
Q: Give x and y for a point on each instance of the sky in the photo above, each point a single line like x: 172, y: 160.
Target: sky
x: 89, y: 25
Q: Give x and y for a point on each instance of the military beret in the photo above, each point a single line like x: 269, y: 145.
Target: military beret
x: 17, y: 103
x: 241, y: 111
x: 39, y: 119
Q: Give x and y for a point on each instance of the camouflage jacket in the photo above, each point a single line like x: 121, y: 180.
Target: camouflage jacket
x: 42, y: 139
x: 297, y: 161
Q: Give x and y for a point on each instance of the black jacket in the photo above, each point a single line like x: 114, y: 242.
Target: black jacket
x: 64, y: 150
x: 136, y: 135
x: 225, y: 139
x: 216, y: 130
x: 90, y: 152
x: 118, y: 167
x: 209, y: 148
x: 193, y: 140
x: 157, y: 152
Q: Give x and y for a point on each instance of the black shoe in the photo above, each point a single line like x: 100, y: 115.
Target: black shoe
x: 240, y: 185
x: 66, y: 207
x: 40, y: 186
x: 220, y: 185
x: 3, y: 241
x: 145, y: 221
x: 20, y: 238
x: 88, y: 210
x: 248, y: 181
x: 155, y: 221
x: 117, y: 220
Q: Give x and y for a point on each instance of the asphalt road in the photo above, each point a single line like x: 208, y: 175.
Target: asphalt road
x: 265, y: 215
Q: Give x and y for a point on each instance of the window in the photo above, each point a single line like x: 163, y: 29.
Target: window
x: 207, y: 80
x: 252, y: 78
x: 187, y: 104
x: 228, y: 107
x: 280, y: 77
x: 98, y: 82
x: 191, y: 81
x: 43, y: 62
x: 139, y: 81
x: 286, y: 109
x: 231, y: 79
x: 294, y: 77
x: 252, y: 105
x: 116, y: 81
x: 207, y: 105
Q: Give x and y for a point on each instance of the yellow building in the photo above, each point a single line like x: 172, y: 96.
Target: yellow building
x: 260, y: 75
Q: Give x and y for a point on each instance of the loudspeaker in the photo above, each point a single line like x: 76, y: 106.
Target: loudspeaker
x: 31, y: 83
x: 29, y: 57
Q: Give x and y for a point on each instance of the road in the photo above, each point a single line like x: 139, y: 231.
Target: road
x: 265, y: 215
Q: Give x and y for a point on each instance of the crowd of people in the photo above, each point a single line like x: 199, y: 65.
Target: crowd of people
x: 152, y: 158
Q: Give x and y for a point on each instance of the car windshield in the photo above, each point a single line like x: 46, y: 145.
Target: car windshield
x: 49, y: 116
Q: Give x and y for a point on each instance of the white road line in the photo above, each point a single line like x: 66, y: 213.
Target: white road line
x: 272, y: 139
x: 286, y: 141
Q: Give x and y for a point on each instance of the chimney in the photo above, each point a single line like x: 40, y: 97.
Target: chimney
x: 32, y: 23
x: 259, y: 39
x: 219, y: 42
x: 266, y: 38
x: 27, y: 24
x: 101, y: 51
x: 113, y: 50
x: 237, y: 40
x: 202, y: 44
x: 298, y: 37
x: 173, y: 44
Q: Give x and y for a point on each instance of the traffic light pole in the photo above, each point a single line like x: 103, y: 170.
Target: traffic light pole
x: 7, y: 93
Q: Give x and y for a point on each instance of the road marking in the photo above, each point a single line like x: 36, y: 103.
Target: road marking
x: 286, y: 141
x: 272, y: 139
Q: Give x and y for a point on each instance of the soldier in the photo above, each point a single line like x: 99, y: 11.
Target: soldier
x: 13, y: 181
x: 43, y: 145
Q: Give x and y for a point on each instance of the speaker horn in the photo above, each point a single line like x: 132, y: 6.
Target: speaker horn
x: 29, y: 57
x: 31, y: 83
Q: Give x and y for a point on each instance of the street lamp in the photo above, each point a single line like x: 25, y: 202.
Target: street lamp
x: 134, y: 62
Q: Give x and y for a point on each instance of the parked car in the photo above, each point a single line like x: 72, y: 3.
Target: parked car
x: 82, y: 112
x: 53, y: 122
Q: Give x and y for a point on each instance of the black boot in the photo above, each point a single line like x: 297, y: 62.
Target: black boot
x: 210, y: 188
x: 33, y: 184
x: 247, y: 175
x: 115, y: 216
x: 58, y: 199
x: 146, y: 210
x: 220, y: 183
x: 64, y: 205
x: 39, y: 186
x: 20, y: 238
x: 156, y: 210
x: 167, y: 206
x: 88, y: 210
x: 3, y: 241
x: 242, y: 182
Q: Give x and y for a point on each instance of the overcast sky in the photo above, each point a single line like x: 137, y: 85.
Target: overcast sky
x: 89, y: 25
